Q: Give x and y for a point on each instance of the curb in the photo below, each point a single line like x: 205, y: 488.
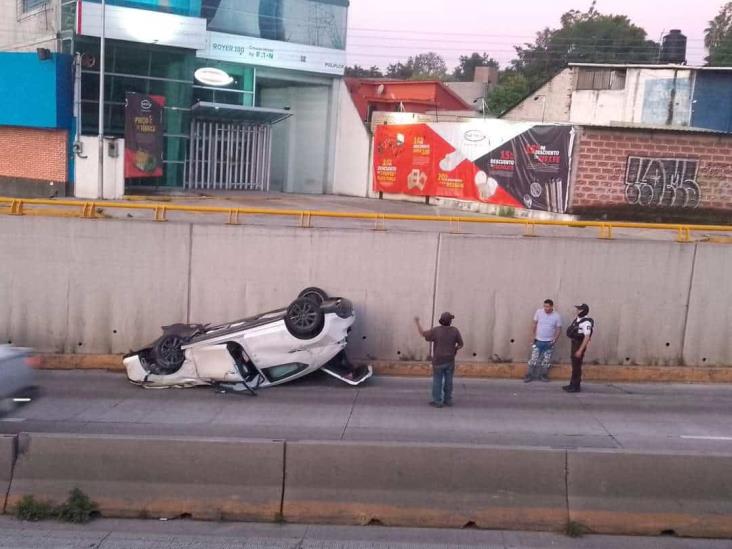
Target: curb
x: 470, y: 370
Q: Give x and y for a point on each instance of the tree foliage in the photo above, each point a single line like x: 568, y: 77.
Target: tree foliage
x: 584, y: 37
x: 465, y: 71
x: 512, y: 88
x: 718, y: 38
x: 424, y: 66
x: 360, y: 72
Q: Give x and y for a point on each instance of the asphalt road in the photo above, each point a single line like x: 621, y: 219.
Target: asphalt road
x: 654, y: 417
x: 136, y: 534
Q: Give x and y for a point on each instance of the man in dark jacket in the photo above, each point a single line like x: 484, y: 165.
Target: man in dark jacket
x: 580, y: 334
x: 446, y: 342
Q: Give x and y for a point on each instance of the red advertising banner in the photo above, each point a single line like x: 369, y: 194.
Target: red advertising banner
x: 144, y: 135
x: 496, y: 162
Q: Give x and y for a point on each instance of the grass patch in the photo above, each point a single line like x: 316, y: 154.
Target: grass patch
x: 78, y: 508
x: 576, y: 529
x: 33, y: 510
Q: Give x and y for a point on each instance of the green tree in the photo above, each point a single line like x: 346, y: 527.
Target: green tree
x: 584, y: 37
x: 465, y: 71
x: 424, y: 66
x: 512, y: 88
x: 360, y: 72
x: 718, y: 37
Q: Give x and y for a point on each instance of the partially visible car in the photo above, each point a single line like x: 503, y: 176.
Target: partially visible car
x: 17, y: 377
x: 255, y: 352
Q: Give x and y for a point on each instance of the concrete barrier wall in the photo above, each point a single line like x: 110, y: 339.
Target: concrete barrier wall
x: 239, y: 271
x: 7, y: 460
x: 90, y: 286
x: 708, y: 338
x: 637, y: 292
x: 126, y: 476
x: 105, y: 286
x: 649, y: 494
x: 425, y: 485
x: 399, y: 484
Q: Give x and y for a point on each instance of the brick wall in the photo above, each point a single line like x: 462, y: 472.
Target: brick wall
x: 647, y: 171
x: 29, y: 153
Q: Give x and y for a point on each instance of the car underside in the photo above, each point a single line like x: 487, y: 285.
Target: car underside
x: 255, y: 352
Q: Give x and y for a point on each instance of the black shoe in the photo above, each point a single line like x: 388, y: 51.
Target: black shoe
x: 571, y: 389
x: 436, y: 404
x: 566, y: 387
x: 528, y: 379
x: 448, y: 403
x: 544, y: 378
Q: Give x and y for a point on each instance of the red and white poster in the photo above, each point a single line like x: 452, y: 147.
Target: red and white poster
x: 493, y: 161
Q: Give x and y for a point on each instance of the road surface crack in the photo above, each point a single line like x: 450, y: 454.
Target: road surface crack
x: 350, y: 413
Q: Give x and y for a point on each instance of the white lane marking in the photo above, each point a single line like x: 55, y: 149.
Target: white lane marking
x: 13, y: 419
x: 706, y: 438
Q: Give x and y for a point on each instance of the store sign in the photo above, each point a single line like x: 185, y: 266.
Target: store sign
x: 273, y: 53
x: 210, y: 76
x: 497, y: 162
x: 144, y: 135
x: 142, y: 26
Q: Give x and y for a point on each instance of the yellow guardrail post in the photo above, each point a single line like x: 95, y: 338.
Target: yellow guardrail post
x: 684, y: 234
x: 380, y: 222
x: 305, y: 220
x: 606, y: 231
x: 530, y: 229
x: 233, y: 217
x: 456, y: 222
x: 160, y: 212
x: 16, y: 207
x: 89, y: 210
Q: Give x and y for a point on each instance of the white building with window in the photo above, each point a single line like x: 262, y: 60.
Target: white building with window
x: 633, y: 95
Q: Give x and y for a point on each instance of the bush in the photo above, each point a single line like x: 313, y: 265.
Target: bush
x: 78, y: 508
x: 31, y: 509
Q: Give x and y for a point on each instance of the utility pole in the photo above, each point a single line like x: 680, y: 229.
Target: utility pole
x: 102, y: 44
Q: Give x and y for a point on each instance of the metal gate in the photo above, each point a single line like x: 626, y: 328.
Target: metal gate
x: 229, y: 156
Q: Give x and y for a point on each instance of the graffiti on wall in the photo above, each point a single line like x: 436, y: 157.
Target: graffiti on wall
x: 662, y: 182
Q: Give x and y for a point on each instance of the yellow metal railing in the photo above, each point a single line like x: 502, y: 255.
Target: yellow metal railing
x: 90, y: 210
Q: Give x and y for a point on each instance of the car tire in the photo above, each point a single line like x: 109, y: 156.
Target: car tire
x: 304, y: 318
x: 316, y: 294
x: 168, y: 354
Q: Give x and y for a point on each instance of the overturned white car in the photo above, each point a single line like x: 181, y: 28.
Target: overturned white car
x: 260, y: 351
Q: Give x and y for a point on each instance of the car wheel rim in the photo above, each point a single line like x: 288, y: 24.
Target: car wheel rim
x: 304, y: 316
x: 170, y: 350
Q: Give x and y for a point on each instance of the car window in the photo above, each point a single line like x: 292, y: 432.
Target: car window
x: 276, y: 373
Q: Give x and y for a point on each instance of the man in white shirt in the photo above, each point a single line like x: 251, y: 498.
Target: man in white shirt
x: 546, y: 330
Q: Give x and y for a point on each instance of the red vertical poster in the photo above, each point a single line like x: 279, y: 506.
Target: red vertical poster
x: 144, y: 140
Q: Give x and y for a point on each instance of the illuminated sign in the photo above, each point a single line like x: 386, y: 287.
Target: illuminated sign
x: 213, y: 77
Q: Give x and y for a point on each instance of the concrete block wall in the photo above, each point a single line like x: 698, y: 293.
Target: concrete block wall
x: 106, y: 286
x: 600, y: 178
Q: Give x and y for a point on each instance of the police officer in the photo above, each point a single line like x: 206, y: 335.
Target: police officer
x: 580, y: 334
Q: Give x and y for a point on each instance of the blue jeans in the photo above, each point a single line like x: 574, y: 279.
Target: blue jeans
x: 442, y: 382
x: 541, y: 358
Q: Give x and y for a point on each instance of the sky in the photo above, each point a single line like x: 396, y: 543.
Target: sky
x: 385, y: 31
